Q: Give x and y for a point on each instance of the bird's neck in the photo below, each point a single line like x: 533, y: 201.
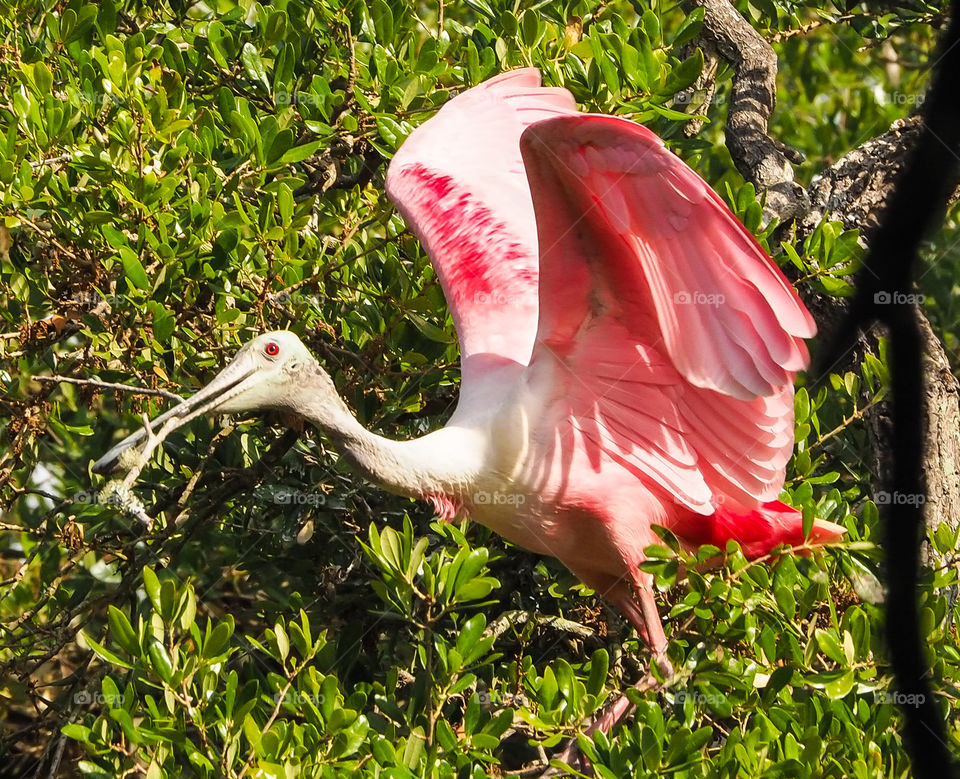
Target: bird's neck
x: 438, y: 466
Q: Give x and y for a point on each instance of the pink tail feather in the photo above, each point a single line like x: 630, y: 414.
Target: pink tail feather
x: 758, y: 531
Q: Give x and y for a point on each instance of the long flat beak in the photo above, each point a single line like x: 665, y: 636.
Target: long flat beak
x: 227, y: 384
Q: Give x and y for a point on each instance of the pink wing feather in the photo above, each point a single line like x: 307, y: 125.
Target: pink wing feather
x: 459, y: 181
x: 681, y: 337
x: 727, y: 317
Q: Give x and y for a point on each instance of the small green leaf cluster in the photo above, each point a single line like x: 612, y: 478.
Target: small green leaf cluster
x: 173, y: 695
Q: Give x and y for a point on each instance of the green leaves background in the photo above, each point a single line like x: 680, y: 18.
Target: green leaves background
x: 177, y: 178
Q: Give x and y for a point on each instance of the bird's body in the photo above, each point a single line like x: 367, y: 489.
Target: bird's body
x: 628, y: 350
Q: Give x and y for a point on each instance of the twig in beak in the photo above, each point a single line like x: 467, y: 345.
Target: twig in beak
x: 147, y: 448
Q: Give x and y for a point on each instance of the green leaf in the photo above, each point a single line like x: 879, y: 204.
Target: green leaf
x: 300, y: 153
x: 651, y: 24
x: 187, y: 607
x: 651, y: 748
x: 690, y: 28
x: 163, y: 322
x: 431, y: 331
x: 216, y: 33
x: 113, y: 236
x: 105, y: 653
x: 168, y: 594
x: 152, y: 586
x: 91, y: 769
x: 830, y: 646
x: 391, y: 130
x: 608, y: 67
x: 669, y: 113
x: 530, y: 28
x: 382, y: 21
x: 219, y: 638
x: 133, y: 268
x: 470, y: 566
x: 252, y: 731
x: 481, y: 7
x: 785, y: 600
x: 470, y: 633
x: 841, y: 686
x: 599, y: 668
x: 253, y: 65
x: 160, y: 659
x: 77, y: 732
x: 477, y: 589
x: 85, y: 20
x: 548, y: 689
x: 283, y: 643
x: 414, y: 748
x: 106, y: 17
x: 416, y: 557
x: 125, y: 721
x: 687, y: 72
x: 390, y: 547
x: 122, y: 631
x: 279, y: 146
x: 43, y: 78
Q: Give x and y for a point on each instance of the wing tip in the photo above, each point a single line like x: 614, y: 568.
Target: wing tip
x: 526, y: 77
x: 574, y: 126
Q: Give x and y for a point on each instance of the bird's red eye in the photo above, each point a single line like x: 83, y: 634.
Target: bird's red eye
x: 272, y: 349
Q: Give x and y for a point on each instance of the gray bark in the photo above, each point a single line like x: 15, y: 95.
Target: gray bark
x: 854, y: 191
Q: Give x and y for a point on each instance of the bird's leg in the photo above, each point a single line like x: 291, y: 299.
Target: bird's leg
x: 647, y: 620
x: 640, y: 608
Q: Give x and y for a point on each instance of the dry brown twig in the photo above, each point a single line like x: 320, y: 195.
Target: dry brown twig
x: 109, y: 385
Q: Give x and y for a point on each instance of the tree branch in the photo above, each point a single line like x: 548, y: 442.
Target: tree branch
x: 760, y: 159
x: 109, y: 385
x: 857, y: 189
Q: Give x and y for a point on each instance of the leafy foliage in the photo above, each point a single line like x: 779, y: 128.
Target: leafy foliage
x: 179, y: 177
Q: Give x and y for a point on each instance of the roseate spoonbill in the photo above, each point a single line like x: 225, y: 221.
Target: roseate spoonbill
x: 628, y: 350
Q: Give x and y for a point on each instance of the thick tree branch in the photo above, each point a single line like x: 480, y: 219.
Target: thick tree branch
x: 855, y: 191
x: 328, y: 171
x: 760, y: 159
x: 855, y: 188
x: 922, y: 159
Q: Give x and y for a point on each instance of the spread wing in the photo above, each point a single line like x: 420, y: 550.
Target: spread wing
x: 678, y: 336
x: 459, y: 181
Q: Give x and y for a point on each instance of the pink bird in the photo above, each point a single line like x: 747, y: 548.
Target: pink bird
x: 628, y: 349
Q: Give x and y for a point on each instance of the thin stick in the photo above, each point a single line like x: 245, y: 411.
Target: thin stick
x: 149, y: 446
x: 110, y: 385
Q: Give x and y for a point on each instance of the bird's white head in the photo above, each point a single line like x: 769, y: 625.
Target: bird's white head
x: 273, y: 371
x: 269, y: 372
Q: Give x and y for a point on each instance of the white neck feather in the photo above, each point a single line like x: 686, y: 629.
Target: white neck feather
x: 446, y: 462
x: 450, y: 462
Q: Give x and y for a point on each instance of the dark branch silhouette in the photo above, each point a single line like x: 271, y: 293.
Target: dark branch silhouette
x: 915, y: 207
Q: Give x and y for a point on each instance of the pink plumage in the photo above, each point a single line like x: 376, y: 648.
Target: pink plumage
x: 459, y: 181
x: 629, y: 350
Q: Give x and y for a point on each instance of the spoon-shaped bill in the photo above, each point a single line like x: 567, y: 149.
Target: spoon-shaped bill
x: 227, y: 384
